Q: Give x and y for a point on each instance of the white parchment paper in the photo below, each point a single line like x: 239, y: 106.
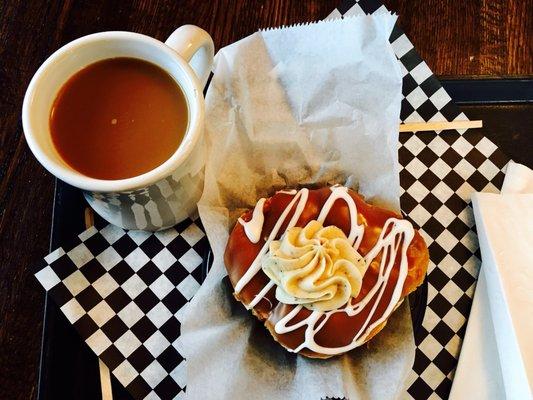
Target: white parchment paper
x: 311, y: 104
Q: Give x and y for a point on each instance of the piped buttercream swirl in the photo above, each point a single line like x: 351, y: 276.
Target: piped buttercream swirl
x: 314, y: 266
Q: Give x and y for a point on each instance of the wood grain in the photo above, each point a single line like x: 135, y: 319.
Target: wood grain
x: 474, y: 37
x: 470, y: 37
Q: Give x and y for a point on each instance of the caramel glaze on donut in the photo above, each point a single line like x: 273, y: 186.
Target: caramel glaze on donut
x: 340, y: 329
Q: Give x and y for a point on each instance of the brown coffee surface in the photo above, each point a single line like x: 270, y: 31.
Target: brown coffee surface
x: 118, y: 118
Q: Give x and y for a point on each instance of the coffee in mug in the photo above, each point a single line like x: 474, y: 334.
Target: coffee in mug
x: 118, y: 118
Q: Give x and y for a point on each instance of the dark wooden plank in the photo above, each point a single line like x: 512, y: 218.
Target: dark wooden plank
x: 471, y: 37
x: 455, y: 37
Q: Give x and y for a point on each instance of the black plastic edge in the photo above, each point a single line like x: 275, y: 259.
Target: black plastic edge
x: 489, y: 91
x: 42, y: 356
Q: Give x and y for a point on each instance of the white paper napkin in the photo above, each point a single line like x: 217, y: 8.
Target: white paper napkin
x: 497, y: 355
x: 315, y: 103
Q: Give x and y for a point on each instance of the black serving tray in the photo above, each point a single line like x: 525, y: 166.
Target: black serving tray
x: 69, y: 369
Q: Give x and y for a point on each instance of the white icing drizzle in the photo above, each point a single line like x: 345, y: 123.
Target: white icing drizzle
x: 396, y: 233
x: 289, y: 191
x: 301, y: 197
x: 356, y: 231
x: 253, y: 228
x: 260, y: 295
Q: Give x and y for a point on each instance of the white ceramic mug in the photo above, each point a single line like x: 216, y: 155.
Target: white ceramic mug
x: 159, y: 198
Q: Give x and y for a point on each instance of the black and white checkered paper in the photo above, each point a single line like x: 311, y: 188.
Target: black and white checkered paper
x: 124, y: 292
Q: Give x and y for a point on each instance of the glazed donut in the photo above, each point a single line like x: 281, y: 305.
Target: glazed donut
x: 322, y: 268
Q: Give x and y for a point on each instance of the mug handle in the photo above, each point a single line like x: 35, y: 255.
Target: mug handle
x: 196, y: 47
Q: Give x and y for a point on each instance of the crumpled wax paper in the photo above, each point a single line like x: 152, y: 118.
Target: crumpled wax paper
x: 311, y: 104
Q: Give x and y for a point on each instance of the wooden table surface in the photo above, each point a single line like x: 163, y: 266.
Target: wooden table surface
x: 456, y: 38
